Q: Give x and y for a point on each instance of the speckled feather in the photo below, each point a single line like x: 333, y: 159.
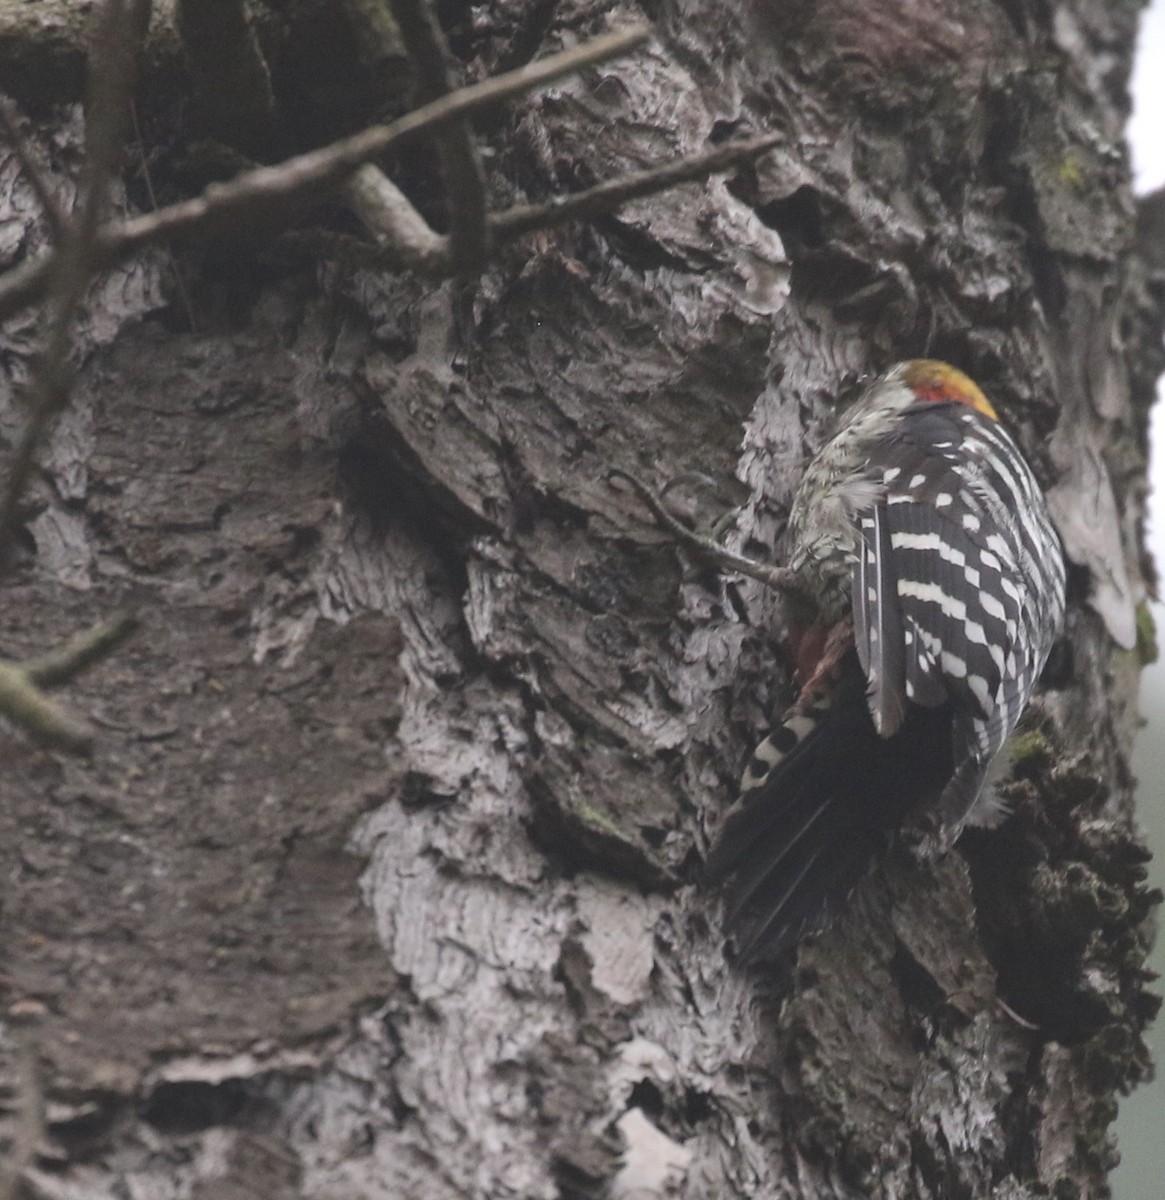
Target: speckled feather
x: 921, y: 524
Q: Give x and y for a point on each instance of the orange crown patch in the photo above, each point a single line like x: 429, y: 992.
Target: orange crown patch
x: 933, y: 380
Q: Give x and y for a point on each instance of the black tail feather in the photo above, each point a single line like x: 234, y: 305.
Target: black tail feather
x: 759, y: 869
x: 793, y: 848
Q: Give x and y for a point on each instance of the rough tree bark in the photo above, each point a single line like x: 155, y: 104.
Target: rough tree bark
x: 381, y: 881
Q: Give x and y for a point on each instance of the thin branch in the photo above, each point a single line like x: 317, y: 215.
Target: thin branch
x: 43, y: 720
x: 231, y: 81
x: 80, y: 652
x: 37, y: 178
x: 71, y: 267
x: 534, y: 24
x: 119, y: 29
x: 460, y: 163
x: 395, y: 223
x: 72, y: 264
x: 604, y: 197
x: 406, y: 241
x: 262, y: 193
x: 27, y: 1130
x: 23, y: 701
x: 148, y: 180
x: 780, y: 579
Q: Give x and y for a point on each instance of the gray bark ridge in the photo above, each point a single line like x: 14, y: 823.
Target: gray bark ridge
x: 383, y: 880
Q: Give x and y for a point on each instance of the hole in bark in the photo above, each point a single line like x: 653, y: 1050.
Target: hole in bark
x: 1048, y: 277
x: 798, y: 218
x: 653, y: 835
x: 20, y: 551
x: 1078, y: 584
x: 327, y: 79
x: 402, y: 1112
x: 578, y: 1180
x: 1017, y: 1120
x: 384, y: 478
x: 1035, y: 918
x: 835, y: 275
x: 1060, y: 668
x: 736, y: 601
x: 224, y: 284
x: 934, y: 1166
x: 722, y: 131
x: 419, y: 790
x: 83, y: 1131
x: 916, y: 984
x: 637, y: 249
x: 648, y: 1097
x: 697, y: 1106
x: 187, y: 1106
x: 691, y: 870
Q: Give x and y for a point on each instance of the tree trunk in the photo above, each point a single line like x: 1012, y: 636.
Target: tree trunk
x: 383, y: 880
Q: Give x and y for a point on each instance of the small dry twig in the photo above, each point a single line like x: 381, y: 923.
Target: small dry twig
x: 460, y: 162
x: 86, y: 246
x: 28, y: 1109
x: 72, y: 264
x: 23, y: 701
x: 780, y: 579
x: 34, y: 173
x: 406, y: 241
x: 71, y: 268
x: 403, y: 233
x: 264, y: 193
x: 603, y: 197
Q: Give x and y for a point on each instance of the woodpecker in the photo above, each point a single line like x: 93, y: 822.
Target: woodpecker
x: 927, y: 589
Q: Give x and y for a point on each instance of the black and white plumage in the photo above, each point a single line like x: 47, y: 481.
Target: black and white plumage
x: 938, y: 580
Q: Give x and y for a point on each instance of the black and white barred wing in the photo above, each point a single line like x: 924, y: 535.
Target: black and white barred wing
x: 946, y: 586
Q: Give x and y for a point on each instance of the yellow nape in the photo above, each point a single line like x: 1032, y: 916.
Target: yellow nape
x: 934, y: 380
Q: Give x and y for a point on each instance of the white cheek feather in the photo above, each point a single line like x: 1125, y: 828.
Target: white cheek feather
x: 858, y: 496
x: 832, y: 521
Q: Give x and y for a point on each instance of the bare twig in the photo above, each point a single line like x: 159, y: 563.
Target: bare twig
x: 23, y: 701
x: 44, y: 721
x: 232, y: 83
x: 780, y: 579
x: 119, y: 28
x: 148, y: 180
x: 266, y: 191
x: 604, y: 197
x: 534, y: 23
x: 72, y: 264
x: 395, y: 223
x: 29, y: 1131
x: 405, y: 240
x: 36, y: 176
x: 460, y: 162
x: 80, y: 652
x: 71, y: 268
